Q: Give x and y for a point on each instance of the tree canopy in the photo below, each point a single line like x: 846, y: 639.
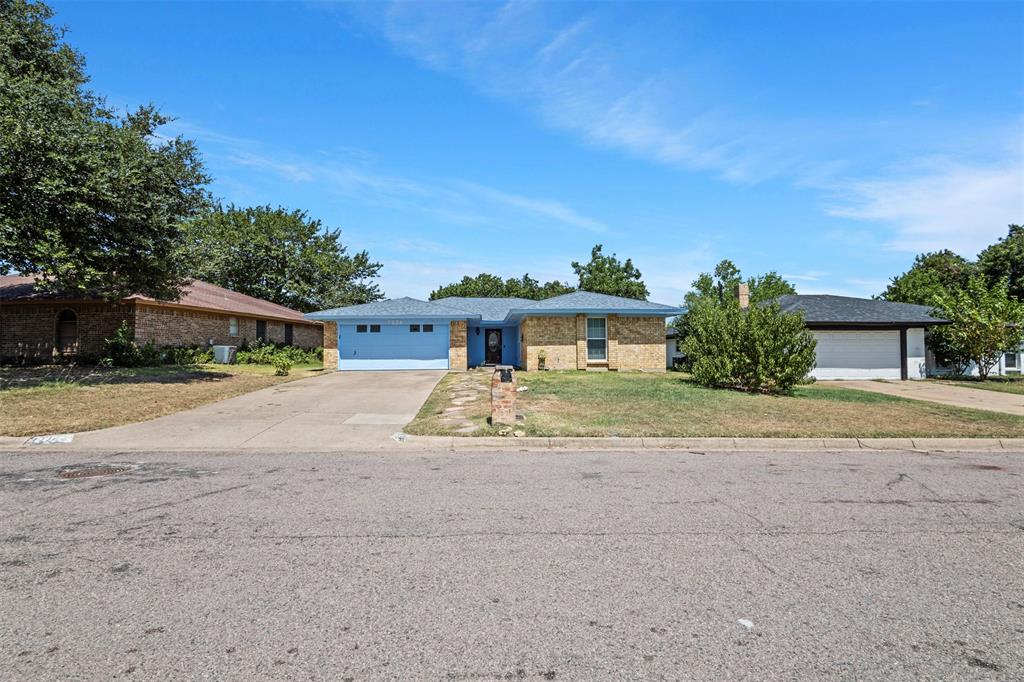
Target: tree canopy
x: 717, y: 290
x: 279, y: 255
x: 719, y: 287
x: 486, y: 285
x: 986, y: 322
x: 931, y: 275
x: 1005, y: 258
x: 92, y: 201
x: 608, y: 275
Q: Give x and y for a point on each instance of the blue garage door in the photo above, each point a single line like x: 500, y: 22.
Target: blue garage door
x: 409, y: 345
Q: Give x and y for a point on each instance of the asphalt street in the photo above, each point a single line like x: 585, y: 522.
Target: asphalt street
x: 478, y: 566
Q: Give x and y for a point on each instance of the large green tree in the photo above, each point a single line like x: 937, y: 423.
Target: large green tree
x: 931, y: 275
x: 1005, y: 258
x: 717, y: 289
x: 719, y: 286
x: 91, y: 201
x: 986, y: 322
x: 486, y: 285
x: 281, y: 256
x: 608, y: 275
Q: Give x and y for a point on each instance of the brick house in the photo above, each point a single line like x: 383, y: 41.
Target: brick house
x: 580, y: 330
x: 37, y: 326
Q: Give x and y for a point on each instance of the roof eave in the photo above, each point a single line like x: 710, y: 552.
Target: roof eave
x: 331, y: 317
x: 875, y: 323
x: 635, y: 312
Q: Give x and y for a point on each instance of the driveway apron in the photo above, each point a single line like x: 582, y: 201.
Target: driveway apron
x: 957, y: 396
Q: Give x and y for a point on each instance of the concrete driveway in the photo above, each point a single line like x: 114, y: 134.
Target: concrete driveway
x: 957, y: 396
x: 343, y: 409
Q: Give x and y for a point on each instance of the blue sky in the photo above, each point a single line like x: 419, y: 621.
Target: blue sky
x: 828, y: 141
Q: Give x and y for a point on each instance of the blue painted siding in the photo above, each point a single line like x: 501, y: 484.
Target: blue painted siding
x: 477, y: 340
x: 393, y: 347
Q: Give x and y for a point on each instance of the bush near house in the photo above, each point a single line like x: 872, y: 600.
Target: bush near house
x: 760, y: 349
x: 264, y: 353
x: 121, y: 350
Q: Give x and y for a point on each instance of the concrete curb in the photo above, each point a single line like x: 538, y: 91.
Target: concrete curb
x: 476, y: 444
x: 544, y: 444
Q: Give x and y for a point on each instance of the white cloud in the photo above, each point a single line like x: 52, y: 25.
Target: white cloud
x: 452, y: 201
x: 808, y: 276
x: 419, y: 245
x: 540, y: 207
x: 577, y: 75
x: 287, y: 170
x: 939, y: 204
x: 582, y: 71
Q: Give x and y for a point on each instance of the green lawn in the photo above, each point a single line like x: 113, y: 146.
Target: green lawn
x: 1001, y: 384
x: 62, y: 399
x: 630, y: 404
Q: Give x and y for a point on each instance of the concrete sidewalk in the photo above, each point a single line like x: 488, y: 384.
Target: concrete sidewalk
x: 944, y: 394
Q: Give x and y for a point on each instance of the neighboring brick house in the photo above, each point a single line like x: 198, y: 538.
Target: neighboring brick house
x: 37, y: 326
x: 580, y: 330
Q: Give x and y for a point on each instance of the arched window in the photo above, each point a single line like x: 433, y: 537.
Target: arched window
x: 67, y: 332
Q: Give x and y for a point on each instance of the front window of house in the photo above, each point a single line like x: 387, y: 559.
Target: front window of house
x: 1010, y: 361
x: 232, y: 326
x: 597, y: 339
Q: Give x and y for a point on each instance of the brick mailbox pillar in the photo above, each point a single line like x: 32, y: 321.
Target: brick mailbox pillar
x: 503, y: 395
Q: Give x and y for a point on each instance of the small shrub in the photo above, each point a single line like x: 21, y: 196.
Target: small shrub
x: 120, y: 350
x: 187, y: 355
x: 282, y: 365
x: 150, y: 355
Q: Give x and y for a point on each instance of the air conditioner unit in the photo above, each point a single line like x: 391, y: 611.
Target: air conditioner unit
x: 224, y: 355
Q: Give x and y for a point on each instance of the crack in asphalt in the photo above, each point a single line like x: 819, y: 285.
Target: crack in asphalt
x: 175, y: 503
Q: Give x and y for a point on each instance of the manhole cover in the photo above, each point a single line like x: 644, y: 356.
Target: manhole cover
x: 97, y: 470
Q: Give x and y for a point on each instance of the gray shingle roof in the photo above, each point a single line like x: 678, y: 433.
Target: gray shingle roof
x: 394, y: 307
x: 588, y: 300
x: 826, y: 309
x: 496, y: 309
x: 490, y: 309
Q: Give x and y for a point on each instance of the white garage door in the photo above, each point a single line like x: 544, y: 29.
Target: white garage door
x: 857, y: 355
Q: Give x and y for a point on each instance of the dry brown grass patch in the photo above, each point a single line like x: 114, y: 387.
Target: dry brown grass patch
x: 62, y: 400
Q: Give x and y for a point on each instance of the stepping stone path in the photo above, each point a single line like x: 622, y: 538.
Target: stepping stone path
x: 468, y: 389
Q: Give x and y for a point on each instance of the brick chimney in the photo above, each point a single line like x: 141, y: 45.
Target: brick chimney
x: 743, y: 295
